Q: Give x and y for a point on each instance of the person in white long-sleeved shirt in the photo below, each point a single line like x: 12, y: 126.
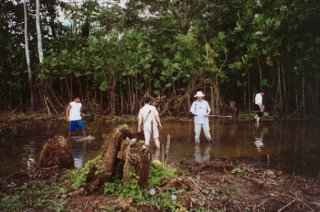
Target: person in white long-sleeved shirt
x: 149, y: 117
x: 258, y: 100
x: 201, y: 109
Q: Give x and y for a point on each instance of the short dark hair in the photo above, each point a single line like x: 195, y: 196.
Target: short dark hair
x: 147, y: 99
x: 76, y: 97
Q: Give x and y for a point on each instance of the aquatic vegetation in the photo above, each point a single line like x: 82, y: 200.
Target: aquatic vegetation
x: 120, y: 119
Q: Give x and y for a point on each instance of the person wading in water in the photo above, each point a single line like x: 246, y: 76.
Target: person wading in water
x: 74, y: 116
x: 149, y: 117
x: 201, y: 110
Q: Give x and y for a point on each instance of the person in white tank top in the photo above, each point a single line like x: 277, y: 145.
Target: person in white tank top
x: 74, y: 116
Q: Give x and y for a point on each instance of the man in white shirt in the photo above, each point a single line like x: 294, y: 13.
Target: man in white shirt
x: 74, y: 116
x: 149, y: 117
x: 258, y: 100
x: 201, y: 109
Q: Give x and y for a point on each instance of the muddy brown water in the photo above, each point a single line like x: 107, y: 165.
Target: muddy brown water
x: 291, y: 146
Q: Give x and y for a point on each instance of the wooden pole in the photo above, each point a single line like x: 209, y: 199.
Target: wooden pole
x: 166, y: 154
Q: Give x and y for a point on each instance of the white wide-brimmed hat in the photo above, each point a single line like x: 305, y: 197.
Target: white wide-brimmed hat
x: 199, y: 94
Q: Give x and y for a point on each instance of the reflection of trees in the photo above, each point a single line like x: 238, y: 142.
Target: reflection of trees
x: 292, y: 147
x: 217, y: 129
x: 178, y: 131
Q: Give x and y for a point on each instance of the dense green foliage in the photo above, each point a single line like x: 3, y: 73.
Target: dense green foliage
x: 112, y: 56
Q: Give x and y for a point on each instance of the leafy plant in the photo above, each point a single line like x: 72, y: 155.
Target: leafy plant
x: 239, y: 171
x: 158, y: 171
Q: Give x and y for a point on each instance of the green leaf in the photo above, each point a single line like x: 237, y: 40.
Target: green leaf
x: 104, y: 86
x: 64, y: 52
x: 264, y: 82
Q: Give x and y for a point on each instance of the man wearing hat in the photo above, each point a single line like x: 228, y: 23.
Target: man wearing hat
x: 201, y: 109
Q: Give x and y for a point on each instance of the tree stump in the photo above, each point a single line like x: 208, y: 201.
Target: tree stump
x: 56, y: 153
x: 122, y: 156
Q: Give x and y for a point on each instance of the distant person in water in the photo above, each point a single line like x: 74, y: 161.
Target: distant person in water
x: 258, y: 100
x: 74, y: 116
x: 149, y: 118
x: 201, y: 110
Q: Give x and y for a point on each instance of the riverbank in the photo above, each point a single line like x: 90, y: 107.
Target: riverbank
x: 218, y: 185
x: 28, y: 120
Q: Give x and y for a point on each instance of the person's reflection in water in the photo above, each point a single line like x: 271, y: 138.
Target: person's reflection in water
x: 258, y: 140
x: 31, y: 154
x: 78, y: 154
x: 198, y: 157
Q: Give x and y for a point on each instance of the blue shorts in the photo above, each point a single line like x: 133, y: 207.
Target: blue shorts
x: 78, y: 124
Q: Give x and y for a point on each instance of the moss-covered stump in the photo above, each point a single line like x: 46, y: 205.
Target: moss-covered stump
x: 56, y: 153
x: 120, y: 156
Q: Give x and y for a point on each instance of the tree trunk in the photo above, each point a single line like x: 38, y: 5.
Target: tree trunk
x: 279, y: 90
x: 39, y: 35
x: 248, y: 94
x: 260, y: 74
x: 284, y: 88
x: 27, y: 54
x: 303, y: 96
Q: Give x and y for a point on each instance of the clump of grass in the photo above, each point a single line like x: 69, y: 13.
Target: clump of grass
x: 38, y: 196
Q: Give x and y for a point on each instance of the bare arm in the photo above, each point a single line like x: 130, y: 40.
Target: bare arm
x: 68, y: 111
x: 159, y: 121
x: 139, y: 123
x: 209, y: 109
x: 81, y: 113
x: 192, y: 109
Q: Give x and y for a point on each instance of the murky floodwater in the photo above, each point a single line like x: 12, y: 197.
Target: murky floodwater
x: 292, y: 146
